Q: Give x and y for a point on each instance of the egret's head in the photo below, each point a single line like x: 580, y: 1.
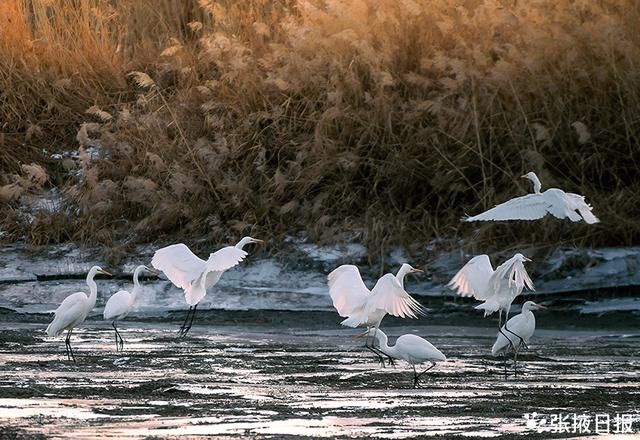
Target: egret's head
x: 97, y: 269
x: 537, y: 185
x: 371, y: 332
x: 143, y: 268
x: 530, y: 305
x: 246, y: 240
x: 407, y: 268
x: 522, y: 257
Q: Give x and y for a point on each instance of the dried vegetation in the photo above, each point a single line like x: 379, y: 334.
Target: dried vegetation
x: 382, y: 121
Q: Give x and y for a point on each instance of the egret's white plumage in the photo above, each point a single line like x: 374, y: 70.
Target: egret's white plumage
x: 361, y: 307
x: 121, y: 303
x: 411, y: 348
x: 517, y: 332
x: 195, y: 275
x: 497, y: 289
x: 534, y: 206
x: 353, y: 300
x: 74, y: 310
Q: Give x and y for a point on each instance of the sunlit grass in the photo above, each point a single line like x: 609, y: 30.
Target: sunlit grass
x: 381, y: 121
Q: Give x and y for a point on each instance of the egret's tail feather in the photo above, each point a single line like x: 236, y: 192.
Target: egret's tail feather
x: 488, y: 307
x: 54, y: 328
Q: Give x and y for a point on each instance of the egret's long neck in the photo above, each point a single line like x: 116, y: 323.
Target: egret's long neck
x: 537, y: 185
x: 401, y: 274
x: 242, y: 242
x: 93, y: 290
x: 383, y: 343
x: 136, y: 283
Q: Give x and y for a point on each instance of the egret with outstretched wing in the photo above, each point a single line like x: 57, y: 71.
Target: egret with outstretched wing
x: 193, y: 274
x: 362, y: 307
x: 534, y: 206
x: 497, y: 289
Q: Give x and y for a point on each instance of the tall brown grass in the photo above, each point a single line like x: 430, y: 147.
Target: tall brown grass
x: 380, y: 121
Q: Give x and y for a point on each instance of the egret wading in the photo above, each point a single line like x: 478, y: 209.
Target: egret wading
x: 121, y: 303
x: 74, y: 310
x: 195, y: 275
x: 521, y: 328
x: 411, y: 348
x: 496, y: 288
x: 362, y: 307
x: 534, y: 206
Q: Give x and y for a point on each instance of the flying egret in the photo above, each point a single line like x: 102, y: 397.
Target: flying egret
x: 193, y: 274
x: 362, y: 307
x: 521, y: 327
x: 74, y: 309
x: 121, y: 303
x: 534, y: 206
x: 411, y: 348
x: 496, y: 288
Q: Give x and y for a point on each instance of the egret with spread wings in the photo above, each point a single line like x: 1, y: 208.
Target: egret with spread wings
x: 534, y: 206
x: 193, y: 274
x: 362, y: 307
x: 497, y: 289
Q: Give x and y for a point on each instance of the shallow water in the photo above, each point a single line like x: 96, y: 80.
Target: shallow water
x: 274, y: 381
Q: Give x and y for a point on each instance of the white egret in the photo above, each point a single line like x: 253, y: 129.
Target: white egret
x: 411, y: 348
x: 74, y: 309
x: 193, y: 274
x: 496, y: 288
x: 534, y: 206
x: 521, y: 327
x: 362, y: 307
x: 121, y: 303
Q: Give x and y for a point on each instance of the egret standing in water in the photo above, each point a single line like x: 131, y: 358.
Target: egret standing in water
x: 74, y: 310
x: 411, y: 348
x: 496, y: 288
x: 521, y: 328
x: 362, y: 307
x: 121, y: 303
x: 534, y: 206
x: 193, y: 274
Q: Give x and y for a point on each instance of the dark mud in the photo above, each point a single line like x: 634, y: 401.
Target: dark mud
x: 278, y: 381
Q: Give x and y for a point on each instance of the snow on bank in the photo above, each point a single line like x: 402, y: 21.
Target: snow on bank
x: 297, y: 280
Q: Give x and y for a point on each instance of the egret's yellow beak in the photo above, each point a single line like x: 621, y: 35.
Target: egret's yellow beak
x: 524, y: 176
x: 542, y: 307
x: 526, y: 259
x: 256, y: 240
x: 361, y: 335
x: 418, y: 270
x: 104, y: 272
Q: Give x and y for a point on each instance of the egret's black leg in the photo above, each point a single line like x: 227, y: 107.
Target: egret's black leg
x: 417, y: 378
x: 515, y: 364
x: 188, y: 327
x: 119, y: 340
x: 184, y: 324
x: 504, y: 361
x: 376, y: 353
x: 70, y: 350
